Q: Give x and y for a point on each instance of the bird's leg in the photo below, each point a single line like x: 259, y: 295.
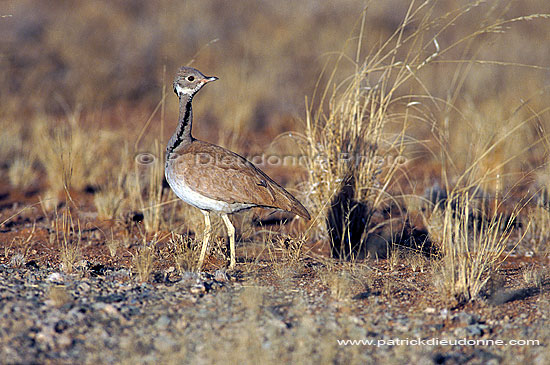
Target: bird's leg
x: 231, y: 233
x: 206, y: 237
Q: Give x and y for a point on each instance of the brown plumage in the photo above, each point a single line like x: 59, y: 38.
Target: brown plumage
x: 223, y: 175
x: 213, y: 178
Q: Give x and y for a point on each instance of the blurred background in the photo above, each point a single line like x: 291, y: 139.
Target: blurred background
x: 106, y: 64
x: 268, y: 55
x: 444, y: 102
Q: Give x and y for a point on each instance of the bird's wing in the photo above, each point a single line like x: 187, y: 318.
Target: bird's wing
x: 220, y: 174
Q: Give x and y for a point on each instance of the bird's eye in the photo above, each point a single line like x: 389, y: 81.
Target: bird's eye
x: 190, y: 78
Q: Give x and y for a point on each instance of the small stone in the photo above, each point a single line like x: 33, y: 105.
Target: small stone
x: 61, y: 326
x: 429, y: 310
x: 181, y: 324
x: 82, y: 264
x: 163, y: 321
x: 55, y: 277
x: 98, y: 306
x: 277, y: 323
x: 45, y: 336
x: 220, y: 276
x: 460, y: 332
x: 189, y: 276
x: 110, y: 309
x: 198, y: 289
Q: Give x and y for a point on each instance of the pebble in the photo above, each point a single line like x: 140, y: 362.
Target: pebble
x: 103, y: 320
x: 55, y: 277
x: 198, y: 288
x: 63, y: 341
x: 163, y: 322
x: 110, y: 309
x: 220, y: 276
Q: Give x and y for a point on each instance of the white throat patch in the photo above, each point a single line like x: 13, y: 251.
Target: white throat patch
x: 185, y: 90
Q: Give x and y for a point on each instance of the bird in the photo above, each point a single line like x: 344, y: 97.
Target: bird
x: 212, y: 178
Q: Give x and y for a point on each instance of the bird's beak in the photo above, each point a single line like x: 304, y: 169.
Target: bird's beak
x: 210, y: 79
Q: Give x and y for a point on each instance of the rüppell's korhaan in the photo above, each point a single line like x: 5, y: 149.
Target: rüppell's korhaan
x: 223, y: 188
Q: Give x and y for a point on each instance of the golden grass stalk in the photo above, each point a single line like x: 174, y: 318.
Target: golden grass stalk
x: 72, y: 156
x: 68, y: 238
x: 346, y: 141
x: 108, y: 203
x: 185, y: 252
x: 472, y: 248
x: 112, y: 196
x: 146, y: 190
x: 22, y: 173
x: 143, y: 260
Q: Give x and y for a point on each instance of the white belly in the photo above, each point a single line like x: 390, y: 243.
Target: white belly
x: 191, y: 197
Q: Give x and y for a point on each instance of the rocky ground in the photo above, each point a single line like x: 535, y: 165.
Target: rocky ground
x: 281, y: 304
x: 268, y: 313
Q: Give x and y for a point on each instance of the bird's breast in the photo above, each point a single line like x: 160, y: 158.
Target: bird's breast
x: 184, y: 192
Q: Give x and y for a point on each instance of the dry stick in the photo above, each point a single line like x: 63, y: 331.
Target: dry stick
x: 19, y: 212
x: 144, y: 128
x: 200, y: 50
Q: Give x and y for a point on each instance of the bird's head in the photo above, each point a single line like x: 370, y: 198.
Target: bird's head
x: 189, y: 81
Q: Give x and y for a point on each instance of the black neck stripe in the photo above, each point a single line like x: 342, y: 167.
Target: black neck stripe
x: 182, y: 126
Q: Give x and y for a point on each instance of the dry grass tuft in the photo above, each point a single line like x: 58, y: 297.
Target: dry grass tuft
x: 112, y: 197
x: 345, y: 280
x: 68, y: 238
x: 185, y: 251
x: 535, y: 277
x: 143, y: 260
x: 351, y: 157
x: 416, y: 261
x: 344, y: 147
x: 73, y: 156
x: 112, y: 244
x: 22, y: 173
x: 472, y: 248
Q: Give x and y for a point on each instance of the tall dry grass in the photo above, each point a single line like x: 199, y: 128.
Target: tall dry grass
x: 364, y: 113
x: 473, y: 247
x: 68, y: 236
x: 348, y: 140
x: 71, y: 154
x: 458, y: 89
